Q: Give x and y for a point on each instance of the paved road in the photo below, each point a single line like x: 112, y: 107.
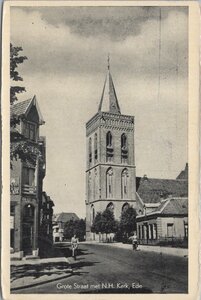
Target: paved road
x: 105, y: 269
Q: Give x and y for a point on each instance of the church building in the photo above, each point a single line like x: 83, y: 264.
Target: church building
x: 110, y: 167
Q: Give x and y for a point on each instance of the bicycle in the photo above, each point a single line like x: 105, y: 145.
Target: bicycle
x: 74, y: 251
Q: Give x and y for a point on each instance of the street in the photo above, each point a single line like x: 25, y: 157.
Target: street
x: 100, y: 268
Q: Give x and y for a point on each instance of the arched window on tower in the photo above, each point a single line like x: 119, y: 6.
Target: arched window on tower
x: 90, y: 151
x: 125, y: 206
x: 109, y: 183
x: 124, y: 148
x: 92, y: 213
x: 109, y: 146
x: 124, y: 184
x: 95, y: 147
x: 89, y: 186
x: 95, y: 184
x: 110, y: 206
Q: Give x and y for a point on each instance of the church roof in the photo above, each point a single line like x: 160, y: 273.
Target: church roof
x: 183, y: 175
x: 109, y: 101
x: 151, y: 190
x: 65, y: 217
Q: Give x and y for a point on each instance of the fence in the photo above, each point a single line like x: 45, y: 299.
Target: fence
x: 180, y: 242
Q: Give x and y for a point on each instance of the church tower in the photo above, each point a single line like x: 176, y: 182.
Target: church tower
x: 110, y: 168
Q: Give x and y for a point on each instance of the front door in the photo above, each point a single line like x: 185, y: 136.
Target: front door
x: 27, y: 229
x: 27, y: 241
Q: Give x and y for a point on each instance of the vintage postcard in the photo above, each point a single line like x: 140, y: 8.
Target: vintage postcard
x: 100, y: 173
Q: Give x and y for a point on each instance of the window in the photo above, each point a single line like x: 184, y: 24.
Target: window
x: 109, y: 147
x: 89, y: 186
x: 109, y: 139
x: 29, y: 211
x: 143, y: 231
x: 124, y: 148
x: 151, y: 236
x: 30, y: 131
x: 110, y: 206
x: 109, y: 183
x: 139, y: 232
x: 169, y: 229
x: 185, y: 230
x: 95, y: 147
x: 28, y: 177
x: 154, y: 231
x: 125, y: 206
x: 92, y: 213
x: 95, y: 184
x: 124, y: 184
x: 90, y: 151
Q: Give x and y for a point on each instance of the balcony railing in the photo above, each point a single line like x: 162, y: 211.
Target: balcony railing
x: 27, y: 189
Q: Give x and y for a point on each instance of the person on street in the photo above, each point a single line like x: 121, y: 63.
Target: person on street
x: 134, y: 240
x: 74, y: 246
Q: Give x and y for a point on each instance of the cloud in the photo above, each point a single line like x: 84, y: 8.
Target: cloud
x: 57, y: 49
x: 116, y: 22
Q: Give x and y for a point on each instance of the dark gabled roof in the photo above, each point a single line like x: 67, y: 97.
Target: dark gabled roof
x: 183, y: 175
x: 152, y: 190
x: 65, y: 217
x: 176, y: 206
x: 169, y: 207
x: 172, y: 206
x: 20, y: 108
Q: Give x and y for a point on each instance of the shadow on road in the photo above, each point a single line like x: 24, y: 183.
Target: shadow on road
x: 39, y: 270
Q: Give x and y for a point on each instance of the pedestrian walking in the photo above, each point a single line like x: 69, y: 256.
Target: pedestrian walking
x: 74, y: 246
x: 133, y: 238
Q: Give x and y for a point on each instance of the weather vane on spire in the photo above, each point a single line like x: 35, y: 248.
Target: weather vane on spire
x: 108, y: 61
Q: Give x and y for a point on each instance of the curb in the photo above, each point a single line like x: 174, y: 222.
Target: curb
x: 145, y: 248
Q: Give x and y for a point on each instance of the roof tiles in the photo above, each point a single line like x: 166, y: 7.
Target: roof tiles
x: 20, y: 108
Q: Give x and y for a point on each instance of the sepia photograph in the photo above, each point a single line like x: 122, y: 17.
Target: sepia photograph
x: 99, y: 149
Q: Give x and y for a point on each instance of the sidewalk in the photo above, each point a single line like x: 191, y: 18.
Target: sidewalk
x: 29, y: 273
x: 164, y: 250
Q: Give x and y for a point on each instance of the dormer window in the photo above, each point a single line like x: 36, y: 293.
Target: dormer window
x: 30, y: 131
x: 109, y: 146
x: 124, y: 148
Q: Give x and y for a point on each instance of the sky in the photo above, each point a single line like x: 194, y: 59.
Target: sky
x: 67, y: 49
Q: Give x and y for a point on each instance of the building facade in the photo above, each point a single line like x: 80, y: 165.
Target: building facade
x: 26, y: 182
x: 167, y: 223
x: 162, y: 209
x: 110, y: 168
x: 45, y: 237
x: 59, y: 222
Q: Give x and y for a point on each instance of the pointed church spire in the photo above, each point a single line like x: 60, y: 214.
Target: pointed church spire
x: 109, y: 102
x: 108, y: 61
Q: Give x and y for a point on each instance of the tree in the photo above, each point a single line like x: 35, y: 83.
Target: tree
x: 77, y: 227
x: 104, y: 222
x: 80, y: 229
x: 15, y: 60
x: 20, y: 147
x: 97, y: 223
x: 109, y: 223
x: 128, y: 221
